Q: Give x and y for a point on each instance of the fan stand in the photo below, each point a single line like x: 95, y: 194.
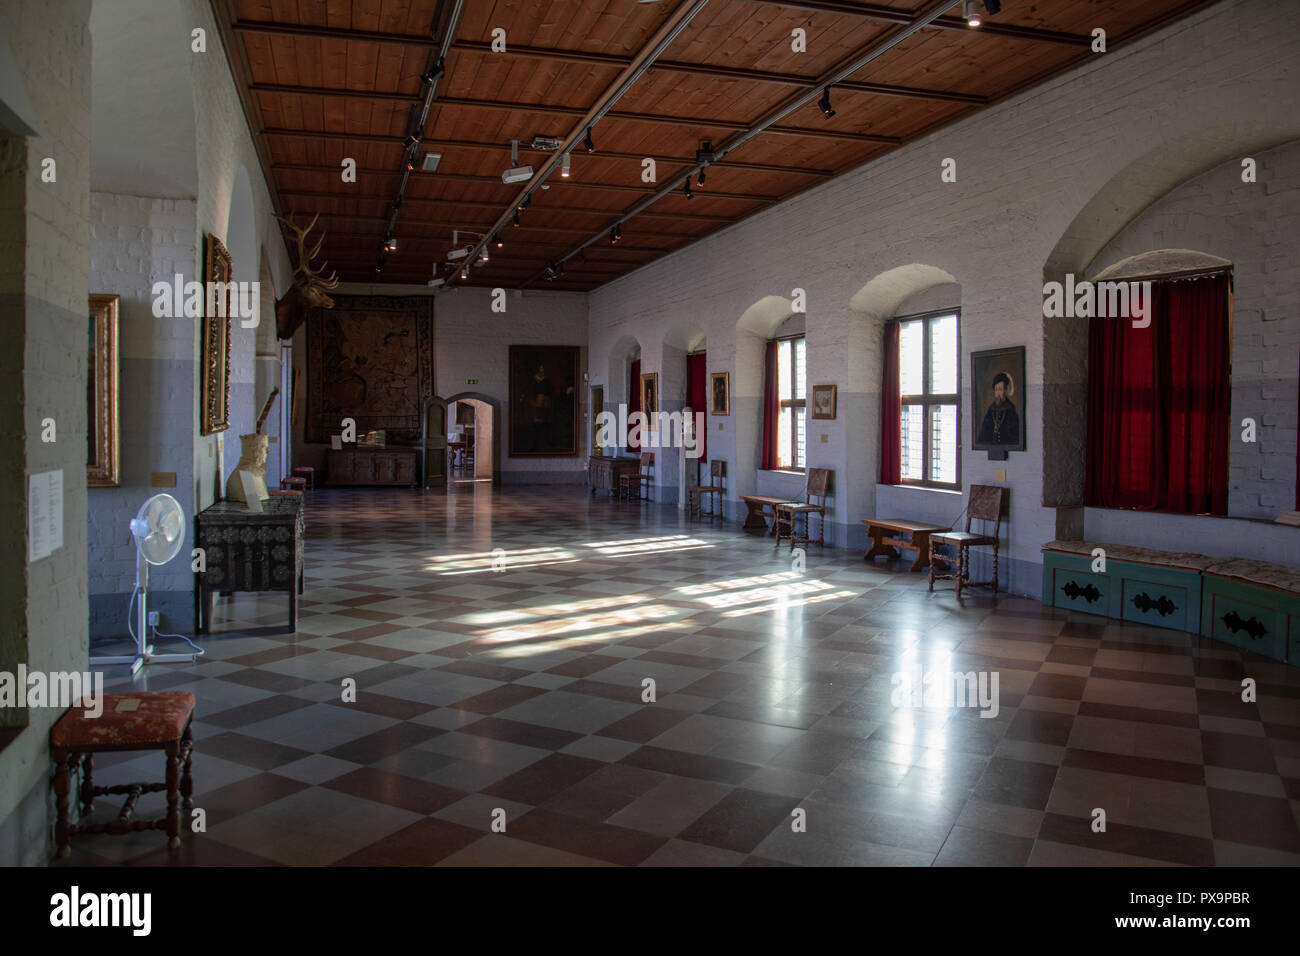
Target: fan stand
x: 144, y: 653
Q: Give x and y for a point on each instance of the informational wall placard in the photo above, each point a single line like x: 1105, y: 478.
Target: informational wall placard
x: 44, y: 514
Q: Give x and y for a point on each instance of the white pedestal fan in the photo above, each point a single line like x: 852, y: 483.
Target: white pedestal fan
x: 159, y: 531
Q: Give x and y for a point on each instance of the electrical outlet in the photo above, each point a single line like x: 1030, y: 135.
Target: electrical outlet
x: 155, y: 618
x: 825, y: 438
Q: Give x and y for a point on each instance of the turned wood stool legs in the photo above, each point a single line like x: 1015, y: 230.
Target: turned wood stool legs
x: 179, y: 786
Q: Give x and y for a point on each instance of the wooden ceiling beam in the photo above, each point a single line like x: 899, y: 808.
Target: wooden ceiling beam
x: 483, y: 204
x: 868, y: 11
x: 435, y: 144
x: 327, y: 217
x: 721, y: 72
x: 572, y: 181
x: 840, y: 7
x: 735, y: 126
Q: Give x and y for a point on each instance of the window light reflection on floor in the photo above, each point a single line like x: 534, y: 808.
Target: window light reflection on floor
x: 497, y: 559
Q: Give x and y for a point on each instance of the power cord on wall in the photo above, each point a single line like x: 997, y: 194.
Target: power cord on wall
x: 153, y: 631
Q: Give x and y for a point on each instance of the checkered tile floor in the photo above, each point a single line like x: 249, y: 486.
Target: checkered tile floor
x: 500, y: 641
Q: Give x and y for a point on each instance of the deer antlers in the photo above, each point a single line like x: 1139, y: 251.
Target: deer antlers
x: 313, y: 276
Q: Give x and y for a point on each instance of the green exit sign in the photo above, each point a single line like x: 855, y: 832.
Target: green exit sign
x: 471, y: 381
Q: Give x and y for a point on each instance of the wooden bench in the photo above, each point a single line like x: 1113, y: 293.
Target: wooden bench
x: 884, y: 534
x: 761, y: 507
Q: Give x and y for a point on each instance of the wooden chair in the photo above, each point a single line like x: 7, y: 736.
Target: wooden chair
x: 713, y: 490
x: 787, y: 512
x: 986, y: 504
x: 637, y: 485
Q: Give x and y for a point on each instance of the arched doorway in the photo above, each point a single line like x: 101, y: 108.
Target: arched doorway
x: 443, y: 460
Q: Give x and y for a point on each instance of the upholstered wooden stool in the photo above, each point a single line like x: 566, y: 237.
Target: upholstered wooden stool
x: 147, y: 720
x: 294, y: 483
x: 307, y: 472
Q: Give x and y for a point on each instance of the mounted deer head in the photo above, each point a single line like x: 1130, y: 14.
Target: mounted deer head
x: 309, y: 287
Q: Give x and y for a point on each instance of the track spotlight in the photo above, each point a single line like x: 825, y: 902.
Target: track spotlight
x: 464, y: 272
x: 516, y: 217
x: 564, y: 166
x: 971, y: 11
x: 500, y: 243
x: 412, y: 141
x: 391, y: 244
x: 587, y: 143
x: 410, y: 163
x: 434, y: 72
x: 528, y: 201
x: 686, y: 188
x: 824, y: 104
x: 483, y: 256
x: 701, y: 182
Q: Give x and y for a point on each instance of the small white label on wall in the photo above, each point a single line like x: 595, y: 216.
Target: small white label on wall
x: 44, y: 514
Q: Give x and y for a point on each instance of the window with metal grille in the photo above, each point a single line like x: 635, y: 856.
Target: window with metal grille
x: 791, y: 390
x: 929, y: 382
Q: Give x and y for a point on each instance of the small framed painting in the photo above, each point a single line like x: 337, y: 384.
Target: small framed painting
x: 823, y: 401
x: 650, y: 393
x: 720, y: 393
x: 997, y: 393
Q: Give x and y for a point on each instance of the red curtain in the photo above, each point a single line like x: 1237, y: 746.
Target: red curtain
x: 1159, y: 403
x: 891, y: 412
x: 697, y: 394
x: 633, y: 404
x: 771, y: 406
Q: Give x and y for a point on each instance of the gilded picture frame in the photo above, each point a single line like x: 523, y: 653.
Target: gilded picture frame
x: 824, y: 402
x: 103, y: 461
x: 650, y: 393
x: 214, y: 397
x: 720, y: 393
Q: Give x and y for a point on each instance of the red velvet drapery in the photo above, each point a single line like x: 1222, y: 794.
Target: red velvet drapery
x: 1159, y: 402
x: 891, y: 412
x: 697, y: 394
x: 771, y: 406
x: 633, y: 404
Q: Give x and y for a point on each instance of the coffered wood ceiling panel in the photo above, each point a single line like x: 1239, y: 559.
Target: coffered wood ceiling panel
x: 325, y: 81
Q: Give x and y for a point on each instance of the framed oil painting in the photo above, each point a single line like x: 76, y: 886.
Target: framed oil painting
x: 102, y: 462
x: 720, y: 393
x: 650, y: 393
x: 214, y: 397
x: 823, y: 401
x: 998, y: 396
x: 543, y: 400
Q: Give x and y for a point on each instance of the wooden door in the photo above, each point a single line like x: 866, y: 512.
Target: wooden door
x: 435, y: 443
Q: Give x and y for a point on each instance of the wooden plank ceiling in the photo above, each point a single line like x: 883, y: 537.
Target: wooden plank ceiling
x: 325, y: 80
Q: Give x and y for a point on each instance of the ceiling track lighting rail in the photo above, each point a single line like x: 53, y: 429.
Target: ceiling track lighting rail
x: 841, y: 71
x: 434, y: 71
x: 668, y: 31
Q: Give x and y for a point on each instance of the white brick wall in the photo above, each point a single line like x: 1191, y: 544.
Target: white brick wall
x: 136, y: 241
x: 51, y: 47
x: 1214, y: 83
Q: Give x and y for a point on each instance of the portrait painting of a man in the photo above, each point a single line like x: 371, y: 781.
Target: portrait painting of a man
x: 543, y: 405
x: 998, y: 423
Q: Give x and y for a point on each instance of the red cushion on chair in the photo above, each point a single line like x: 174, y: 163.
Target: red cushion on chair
x: 160, y: 719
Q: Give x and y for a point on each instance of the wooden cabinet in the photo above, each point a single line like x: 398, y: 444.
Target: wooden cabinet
x: 379, y: 466
x: 604, y: 473
x: 247, y: 551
